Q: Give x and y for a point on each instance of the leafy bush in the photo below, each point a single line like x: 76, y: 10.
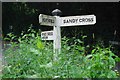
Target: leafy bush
x: 31, y: 57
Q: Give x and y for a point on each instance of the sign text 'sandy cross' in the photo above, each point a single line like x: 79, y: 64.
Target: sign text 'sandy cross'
x: 78, y: 20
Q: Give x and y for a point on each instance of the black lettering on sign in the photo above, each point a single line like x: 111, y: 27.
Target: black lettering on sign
x: 45, y: 37
x: 70, y: 21
x: 64, y: 21
x: 43, y: 34
x: 50, y: 33
x: 86, y: 20
x: 52, y: 21
x: 81, y: 20
x: 90, y: 20
x: 47, y: 20
x: 43, y: 19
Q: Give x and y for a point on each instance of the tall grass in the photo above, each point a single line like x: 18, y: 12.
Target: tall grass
x: 30, y: 57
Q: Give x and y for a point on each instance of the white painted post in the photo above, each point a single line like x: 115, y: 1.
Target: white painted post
x: 57, y: 33
x: 57, y: 39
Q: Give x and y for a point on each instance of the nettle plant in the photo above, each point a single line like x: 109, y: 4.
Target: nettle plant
x: 30, y: 57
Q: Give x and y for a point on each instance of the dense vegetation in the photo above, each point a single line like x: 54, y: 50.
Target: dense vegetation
x: 30, y: 57
x: 81, y: 57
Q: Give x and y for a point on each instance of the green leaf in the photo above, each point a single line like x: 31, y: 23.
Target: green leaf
x: 40, y: 44
x: 7, y: 39
x: 68, y: 48
x: 33, y: 35
x: 117, y: 59
x: 84, y: 37
x: 111, y: 74
x: 111, y: 54
x: 111, y: 62
x: 93, y: 51
x: 79, y: 41
x: 89, y: 56
x: 81, y: 48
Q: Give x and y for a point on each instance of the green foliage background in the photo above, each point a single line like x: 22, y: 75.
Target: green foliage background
x: 28, y: 56
x: 32, y: 58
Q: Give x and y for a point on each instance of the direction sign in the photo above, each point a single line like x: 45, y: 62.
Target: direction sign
x: 47, y: 35
x: 57, y: 22
x: 46, y: 20
x: 78, y: 20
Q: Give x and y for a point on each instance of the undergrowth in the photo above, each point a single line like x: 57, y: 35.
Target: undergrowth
x: 30, y: 57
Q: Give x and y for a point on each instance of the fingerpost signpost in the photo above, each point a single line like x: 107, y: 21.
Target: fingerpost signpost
x: 57, y: 22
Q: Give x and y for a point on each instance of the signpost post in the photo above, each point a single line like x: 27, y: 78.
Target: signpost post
x: 57, y: 32
x: 57, y: 22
